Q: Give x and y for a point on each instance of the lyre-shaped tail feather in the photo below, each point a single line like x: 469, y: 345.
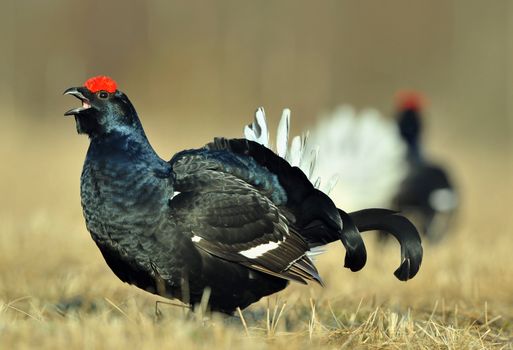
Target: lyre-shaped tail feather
x: 400, y: 228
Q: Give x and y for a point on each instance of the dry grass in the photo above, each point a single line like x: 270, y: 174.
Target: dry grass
x: 56, y: 291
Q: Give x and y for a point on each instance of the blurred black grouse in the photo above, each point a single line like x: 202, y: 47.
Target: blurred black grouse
x: 231, y: 216
x: 427, y: 193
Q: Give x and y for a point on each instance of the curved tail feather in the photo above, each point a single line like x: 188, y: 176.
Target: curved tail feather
x: 399, y: 227
x: 356, y: 253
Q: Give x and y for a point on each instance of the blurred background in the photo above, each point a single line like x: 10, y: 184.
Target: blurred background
x: 212, y: 63
x: 198, y: 69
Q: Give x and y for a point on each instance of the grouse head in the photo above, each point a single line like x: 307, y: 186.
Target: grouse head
x: 104, y: 108
x: 409, y: 109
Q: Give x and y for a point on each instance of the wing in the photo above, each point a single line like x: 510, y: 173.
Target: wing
x: 318, y: 217
x: 230, y: 213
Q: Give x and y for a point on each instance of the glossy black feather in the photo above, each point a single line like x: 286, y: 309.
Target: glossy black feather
x: 320, y: 220
x: 146, y: 238
x: 231, y: 217
x: 417, y: 194
x: 228, y: 216
x: 400, y: 228
x: 356, y: 256
x: 143, y: 214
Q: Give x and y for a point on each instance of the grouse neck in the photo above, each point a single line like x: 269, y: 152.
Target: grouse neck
x: 410, y: 128
x: 132, y: 143
x: 415, y: 153
x: 124, y: 184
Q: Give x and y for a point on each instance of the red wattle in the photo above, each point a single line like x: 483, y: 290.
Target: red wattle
x: 410, y: 100
x: 101, y: 82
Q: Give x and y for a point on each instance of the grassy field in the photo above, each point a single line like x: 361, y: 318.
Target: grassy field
x: 56, y: 292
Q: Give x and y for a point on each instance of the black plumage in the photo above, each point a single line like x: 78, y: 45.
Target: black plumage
x: 427, y: 193
x: 231, y: 216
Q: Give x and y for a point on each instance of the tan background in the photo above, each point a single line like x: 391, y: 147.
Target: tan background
x: 211, y: 63
x: 198, y: 69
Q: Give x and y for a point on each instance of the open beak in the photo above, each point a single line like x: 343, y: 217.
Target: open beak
x: 76, y: 91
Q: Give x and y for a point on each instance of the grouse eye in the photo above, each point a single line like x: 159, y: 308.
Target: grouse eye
x: 103, y: 94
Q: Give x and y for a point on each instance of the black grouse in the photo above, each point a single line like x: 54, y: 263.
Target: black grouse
x: 426, y: 194
x: 232, y: 216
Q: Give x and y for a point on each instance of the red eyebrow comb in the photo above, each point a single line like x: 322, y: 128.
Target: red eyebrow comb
x: 101, y: 82
x: 410, y: 100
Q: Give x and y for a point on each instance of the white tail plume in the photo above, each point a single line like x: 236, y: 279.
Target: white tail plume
x: 359, y: 159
